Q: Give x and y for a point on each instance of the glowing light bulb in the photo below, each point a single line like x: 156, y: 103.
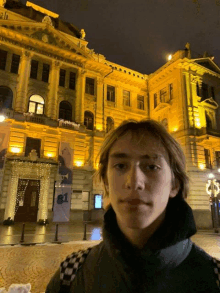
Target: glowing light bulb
x: 2, y: 118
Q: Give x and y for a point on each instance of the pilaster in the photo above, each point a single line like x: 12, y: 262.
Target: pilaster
x: 53, y: 90
x: 80, y: 94
x: 99, y: 105
x: 22, y: 88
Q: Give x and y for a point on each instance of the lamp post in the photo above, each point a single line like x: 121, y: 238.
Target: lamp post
x: 212, y: 188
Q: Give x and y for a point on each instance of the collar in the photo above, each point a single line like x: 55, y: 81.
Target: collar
x: 168, y: 246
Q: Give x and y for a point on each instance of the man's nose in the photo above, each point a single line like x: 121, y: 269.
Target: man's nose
x: 134, y: 179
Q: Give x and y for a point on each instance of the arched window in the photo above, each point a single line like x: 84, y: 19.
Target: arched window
x: 208, y: 120
x: 109, y: 124
x: 65, y: 111
x: 36, y: 105
x: 88, y: 120
x: 6, y: 97
x: 165, y: 123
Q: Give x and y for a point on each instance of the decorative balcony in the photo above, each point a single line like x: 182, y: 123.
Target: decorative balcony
x: 68, y: 124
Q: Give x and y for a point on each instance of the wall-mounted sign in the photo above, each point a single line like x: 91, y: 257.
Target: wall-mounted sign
x: 98, y: 201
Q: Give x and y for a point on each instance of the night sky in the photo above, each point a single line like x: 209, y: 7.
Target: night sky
x: 140, y: 34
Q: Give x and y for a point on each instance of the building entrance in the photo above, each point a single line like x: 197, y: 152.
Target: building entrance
x: 27, y: 200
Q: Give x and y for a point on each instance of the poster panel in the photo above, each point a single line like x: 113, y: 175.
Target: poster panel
x: 62, y: 204
x: 66, y: 163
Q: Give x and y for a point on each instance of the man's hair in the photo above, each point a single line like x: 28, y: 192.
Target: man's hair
x: 139, y: 129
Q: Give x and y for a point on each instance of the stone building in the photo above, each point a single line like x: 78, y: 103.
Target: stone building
x: 56, y: 91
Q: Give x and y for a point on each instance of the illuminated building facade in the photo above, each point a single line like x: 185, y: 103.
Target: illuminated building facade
x: 56, y: 91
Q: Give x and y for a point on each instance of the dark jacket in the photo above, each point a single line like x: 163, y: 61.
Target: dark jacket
x: 169, y: 262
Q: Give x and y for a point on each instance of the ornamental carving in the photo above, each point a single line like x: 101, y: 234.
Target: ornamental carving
x: 47, y: 20
x: 2, y: 3
x: 83, y: 34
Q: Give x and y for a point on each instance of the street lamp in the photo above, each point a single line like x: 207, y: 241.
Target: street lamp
x: 212, y: 188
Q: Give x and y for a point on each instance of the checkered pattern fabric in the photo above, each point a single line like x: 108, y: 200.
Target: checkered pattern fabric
x: 71, y: 264
x: 217, y: 270
x: 74, y: 261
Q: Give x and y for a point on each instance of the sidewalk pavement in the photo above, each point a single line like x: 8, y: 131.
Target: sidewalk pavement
x: 34, y: 233
x: 67, y: 232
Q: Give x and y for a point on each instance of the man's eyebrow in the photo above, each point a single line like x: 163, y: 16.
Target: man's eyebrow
x: 126, y: 156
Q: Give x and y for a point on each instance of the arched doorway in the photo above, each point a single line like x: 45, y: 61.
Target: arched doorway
x: 65, y: 111
x: 109, y: 124
x: 208, y: 120
x: 89, y: 120
x: 6, y: 97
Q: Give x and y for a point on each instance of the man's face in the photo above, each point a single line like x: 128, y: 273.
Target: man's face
x: 139, y: 180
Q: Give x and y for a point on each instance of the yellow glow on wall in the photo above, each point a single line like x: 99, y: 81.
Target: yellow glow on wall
x: 197, y: 123
x: 201, y: 166
x: 175, y: 129
x: 99, y: 127
x: 78, y: 163
x: 15, y: 150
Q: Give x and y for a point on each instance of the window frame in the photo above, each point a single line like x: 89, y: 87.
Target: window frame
x: 126, y: 98
x: 36, y: 105
x: 110, y: 93
x: 140, y: 102
x: 90, y: 87
x: 15, y: 63
x: 45, y: 65
x: 35, y: 69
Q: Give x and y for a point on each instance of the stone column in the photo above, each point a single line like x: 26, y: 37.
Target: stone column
x: 52, y: 105
x: 80, y: 94
x: 99, y: 105
x: 22, y: 87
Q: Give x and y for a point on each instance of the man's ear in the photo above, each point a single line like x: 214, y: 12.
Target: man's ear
x: 175, y: 189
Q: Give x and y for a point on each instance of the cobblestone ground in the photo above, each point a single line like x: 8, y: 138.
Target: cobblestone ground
x: 37, y: 264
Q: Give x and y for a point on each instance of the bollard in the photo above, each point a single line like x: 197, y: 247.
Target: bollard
x: 56, y: 234
x: 22, y: 233
x: 84, y: 238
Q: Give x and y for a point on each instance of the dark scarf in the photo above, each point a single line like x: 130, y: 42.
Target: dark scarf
x: 170, y: 241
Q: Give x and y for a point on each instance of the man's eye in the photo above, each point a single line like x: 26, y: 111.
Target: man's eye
x: 151, y: 167
x: 120, y: 166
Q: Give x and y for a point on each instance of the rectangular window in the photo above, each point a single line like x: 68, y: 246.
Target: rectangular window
x: 3, y: 59
x: 32, y: 144
x: 171, y: 91
x: 213, y: 92
x: 140, y: 102
x: 207, y: 158
x: 163, y: 95
x: 217, y: 157
x: 62, y: 77
x: 205, y: 94
x: 110, y: 93
x: 90, y: 86
x: 34, y: 69
x: 15, y: 63
x: 126, y: 98
x: 155, y: 101
x: 72, y: 80
x: 45, y: 72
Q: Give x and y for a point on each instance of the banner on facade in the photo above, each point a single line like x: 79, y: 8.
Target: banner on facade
x: 65, y: 163
x: 62, y: 204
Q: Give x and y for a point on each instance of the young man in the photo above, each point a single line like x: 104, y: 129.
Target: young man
x: 147, y: 227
